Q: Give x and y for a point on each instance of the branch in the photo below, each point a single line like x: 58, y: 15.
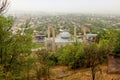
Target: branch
x: 3, y: 6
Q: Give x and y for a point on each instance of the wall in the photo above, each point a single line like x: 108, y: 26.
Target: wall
x: 114, y: 64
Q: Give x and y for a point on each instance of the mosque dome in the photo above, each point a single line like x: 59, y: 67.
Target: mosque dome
x: 65, y: 35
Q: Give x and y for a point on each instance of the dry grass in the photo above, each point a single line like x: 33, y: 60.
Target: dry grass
x: 64, y: 73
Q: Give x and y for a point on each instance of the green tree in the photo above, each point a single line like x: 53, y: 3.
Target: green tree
x: 39, y: 28
x: 108, y: 35
x: 13, y: 48
x: 42, y: 65
x: 91, y: 57
x: 96, y: 55
x: 71, y: 55
x: 116, y: 49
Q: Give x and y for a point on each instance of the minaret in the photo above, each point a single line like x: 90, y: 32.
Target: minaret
x: 75, y: 32
x: 51, y: 30
x: 53, y: 40
x: 48, y: 32
x: 85, y: 29
x: 84, y: 35
x: 46, y: 43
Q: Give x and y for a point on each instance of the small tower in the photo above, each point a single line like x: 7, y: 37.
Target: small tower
x: 85, y: 29
x: 51, y: 29
x: 75, y: 32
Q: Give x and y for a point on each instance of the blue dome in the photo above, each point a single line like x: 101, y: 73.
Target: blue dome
x: 65, y: 35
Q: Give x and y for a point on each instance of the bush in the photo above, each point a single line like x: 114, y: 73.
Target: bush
x: 103, y: 51
x: 42, y: 65
x: 71, y: 55
x: 116, y: 49
x: 112, y: 37
x: 53, y: 59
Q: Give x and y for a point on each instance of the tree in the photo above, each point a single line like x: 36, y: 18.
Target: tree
x: 13, y: 48
x: 108, y: 35
x: 71, y: 55
x: 116, y: 49
x: 39, y: 28
x: 3, y: 6
x: 42, y: 65
x: 96, y: 55
x: 92, y: 58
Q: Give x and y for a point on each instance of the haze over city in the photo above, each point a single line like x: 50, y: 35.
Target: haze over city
x: 70, y: 6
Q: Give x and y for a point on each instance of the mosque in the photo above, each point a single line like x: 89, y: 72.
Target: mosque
x: 64, y: 38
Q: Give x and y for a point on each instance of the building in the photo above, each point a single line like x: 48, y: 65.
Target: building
x: 61, y: 39
x: 91, y: 37
x: 64, y: 38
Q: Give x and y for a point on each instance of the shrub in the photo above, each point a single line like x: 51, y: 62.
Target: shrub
x: 116, y: 49
x: 42, y: 65
x: 71, y: 55
x: 53, y: 59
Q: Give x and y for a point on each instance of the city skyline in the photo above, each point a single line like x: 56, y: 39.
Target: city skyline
x: 84, y: 6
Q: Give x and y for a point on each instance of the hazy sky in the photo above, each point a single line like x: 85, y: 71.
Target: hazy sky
x: 92, y: 6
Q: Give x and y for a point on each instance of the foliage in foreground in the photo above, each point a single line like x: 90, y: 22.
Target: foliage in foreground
x: 14, y: 48
x: 71, y: 55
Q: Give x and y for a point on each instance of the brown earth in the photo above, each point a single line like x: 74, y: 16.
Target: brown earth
x: 65, y: 73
